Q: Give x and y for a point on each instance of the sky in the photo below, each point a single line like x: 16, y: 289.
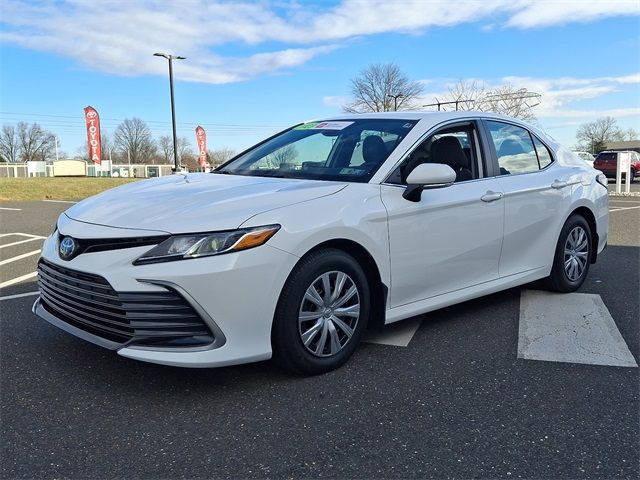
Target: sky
x: 256, y: 67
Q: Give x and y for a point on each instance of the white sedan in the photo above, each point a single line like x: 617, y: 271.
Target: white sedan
x: 586, y: 156
x: 296, y: 246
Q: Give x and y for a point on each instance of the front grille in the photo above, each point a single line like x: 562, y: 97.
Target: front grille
x: 103, y: 244
x: 88, y: 302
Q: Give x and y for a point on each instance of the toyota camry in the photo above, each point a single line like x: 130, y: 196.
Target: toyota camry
x: 296, y: 246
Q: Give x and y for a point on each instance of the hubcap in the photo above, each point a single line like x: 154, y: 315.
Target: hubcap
x: 576, y: 253
x: 329, y: 313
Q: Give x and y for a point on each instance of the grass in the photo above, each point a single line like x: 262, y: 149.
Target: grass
x: 55, y: 188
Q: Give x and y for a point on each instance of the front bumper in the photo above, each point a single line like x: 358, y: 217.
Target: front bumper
x: 236, y: 294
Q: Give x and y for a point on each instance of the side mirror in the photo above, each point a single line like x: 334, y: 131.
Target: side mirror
x: 428, y: 175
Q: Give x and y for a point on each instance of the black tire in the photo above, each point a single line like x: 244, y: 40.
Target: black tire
x: 632, y: 177
x: 289, y: 350
x: 559, y: 280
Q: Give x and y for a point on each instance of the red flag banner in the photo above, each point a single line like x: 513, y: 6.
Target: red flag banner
x: 93, y: 134
x: 201, y: 140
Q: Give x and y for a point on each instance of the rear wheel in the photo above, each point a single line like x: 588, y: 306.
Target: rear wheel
x: 322, y: 311
x: 573, y: 256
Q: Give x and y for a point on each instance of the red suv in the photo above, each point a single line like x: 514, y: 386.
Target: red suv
x: 607, y: 162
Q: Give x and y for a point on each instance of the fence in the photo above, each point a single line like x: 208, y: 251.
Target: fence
x: 40, y: 169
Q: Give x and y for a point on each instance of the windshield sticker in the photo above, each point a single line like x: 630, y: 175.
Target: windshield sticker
x: 323, y: 126
x: 407, y: 125
x: 352, y: 171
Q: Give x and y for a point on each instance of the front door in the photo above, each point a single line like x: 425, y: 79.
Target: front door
x: 451, y: 238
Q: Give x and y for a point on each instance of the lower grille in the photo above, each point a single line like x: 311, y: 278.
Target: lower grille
x: 88, y: 302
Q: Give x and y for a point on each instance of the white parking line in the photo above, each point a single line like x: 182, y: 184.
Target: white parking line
x: 19, y: 295
x: 59, y: 201
x: 12, y: 209
x: 397, y: 335
x: 19, y: 257
x: 22, y: 278
x: 19, y: 242
x: 21, y: 235
x: 570, y: 327
x: 617, y: 209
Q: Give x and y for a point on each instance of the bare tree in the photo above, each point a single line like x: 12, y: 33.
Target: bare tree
x: 286, y: 154
x: 184, y: 147
x: 105, y: 145
x: 34, y: 142
x: 382, y: 88
x: 221, y: 155
x: 505, y: 99
x: 166, y: 148
x: 9, y: 146
x: 629, y: 134
x: 592, y: 136
x: 133, y: 136
x: 468, y: 94
x: 190, y: 161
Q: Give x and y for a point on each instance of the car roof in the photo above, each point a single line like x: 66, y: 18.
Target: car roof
x: 415, y: 115
x: 433, y: 118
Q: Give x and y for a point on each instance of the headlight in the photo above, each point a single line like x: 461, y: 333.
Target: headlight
x: 197, y: 245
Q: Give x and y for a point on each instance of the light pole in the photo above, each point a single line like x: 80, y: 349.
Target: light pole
x: 395, y: 100
x: 55, y: 138
x: 173, y: 107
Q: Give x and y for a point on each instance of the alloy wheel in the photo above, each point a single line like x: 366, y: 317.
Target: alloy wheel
x: 576, y: 253
x: 329, y: 313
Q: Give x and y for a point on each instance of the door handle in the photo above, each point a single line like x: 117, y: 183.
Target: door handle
x: 491, y: 196
x: 558, y: 184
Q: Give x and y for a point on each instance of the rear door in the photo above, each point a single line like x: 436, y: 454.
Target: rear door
x: 536, y: 193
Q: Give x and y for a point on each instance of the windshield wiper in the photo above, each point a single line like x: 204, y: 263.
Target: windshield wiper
x: 271, y: 175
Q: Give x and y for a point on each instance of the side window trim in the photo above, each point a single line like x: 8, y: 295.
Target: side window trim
x: 535, y: 149
x: 480, y: 157
x: 551, y: 152
x: 491, y: 162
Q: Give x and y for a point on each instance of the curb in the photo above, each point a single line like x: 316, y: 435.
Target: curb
x: 624, y: 194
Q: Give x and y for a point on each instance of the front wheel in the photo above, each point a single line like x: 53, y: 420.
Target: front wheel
x: 321, y: 314
x: 573, y: 256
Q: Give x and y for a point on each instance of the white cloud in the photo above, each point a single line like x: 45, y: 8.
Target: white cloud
x: 559, y: 93
x: 545, y: 13
x: 335, y: 101
x: 119, y: 36
x: 565, y: 102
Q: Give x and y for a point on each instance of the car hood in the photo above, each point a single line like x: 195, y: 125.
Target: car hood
x: 195, y: 202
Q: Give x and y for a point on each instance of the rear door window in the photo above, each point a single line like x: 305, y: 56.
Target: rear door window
x: 514, y: 148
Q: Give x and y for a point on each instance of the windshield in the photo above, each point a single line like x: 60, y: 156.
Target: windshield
x: 349, y: 150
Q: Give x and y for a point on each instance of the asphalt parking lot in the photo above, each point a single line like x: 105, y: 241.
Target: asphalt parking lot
x: 456, y: 402
x: 633, y: 187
